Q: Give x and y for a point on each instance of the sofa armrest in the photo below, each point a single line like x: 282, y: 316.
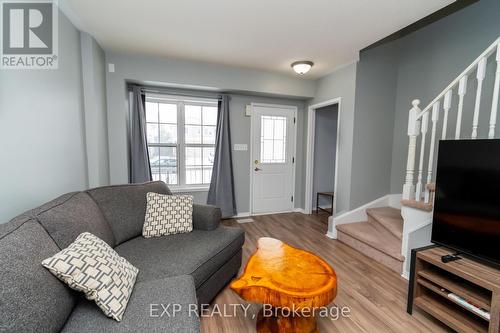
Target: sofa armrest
x: 206, y: 217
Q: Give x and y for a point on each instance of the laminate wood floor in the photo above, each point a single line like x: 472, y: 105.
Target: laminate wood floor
x: 375, y: 295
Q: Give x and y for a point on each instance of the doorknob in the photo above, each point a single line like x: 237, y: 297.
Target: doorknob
x: 257, y: 169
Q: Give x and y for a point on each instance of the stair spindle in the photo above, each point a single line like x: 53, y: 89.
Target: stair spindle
x: 435, y: 119
x: 481, y: 73
x: 423, y: 130
x: 494, y: 103
x: 413, y: 129
x: 446, y: 107
x: 462, y: 90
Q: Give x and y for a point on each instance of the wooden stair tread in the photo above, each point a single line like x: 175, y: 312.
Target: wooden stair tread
x: 383, y: 241
x: 390, y: 218
x: 428, y: 207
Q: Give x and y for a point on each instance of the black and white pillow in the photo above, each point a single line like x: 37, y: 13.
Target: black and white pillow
x: 167, y: 215
x: 91, y: 266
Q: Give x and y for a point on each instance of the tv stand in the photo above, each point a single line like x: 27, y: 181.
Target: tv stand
x: 440, y: 289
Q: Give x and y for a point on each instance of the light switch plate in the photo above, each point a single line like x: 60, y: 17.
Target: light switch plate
x: 111, y: 68
x: 248, y: 110
x: 240, y: 146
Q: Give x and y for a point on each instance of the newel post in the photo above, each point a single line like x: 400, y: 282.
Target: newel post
x: 413, y: 131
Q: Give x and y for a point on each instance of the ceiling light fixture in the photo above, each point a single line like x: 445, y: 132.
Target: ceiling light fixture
x: 302, y: 67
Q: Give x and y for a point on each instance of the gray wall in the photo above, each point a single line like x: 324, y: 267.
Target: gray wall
x: 42, y: 130
x: 373, y: 124
x: 95, y: 110
x: 429, y: 59
x: 180, y: 74
x: 341, y: 83
x: 56, y: 137
x: 325, y: 139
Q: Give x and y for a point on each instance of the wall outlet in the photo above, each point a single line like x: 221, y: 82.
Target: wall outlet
x: 240, y: 146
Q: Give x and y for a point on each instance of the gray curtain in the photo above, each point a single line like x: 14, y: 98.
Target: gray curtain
x: 140, y: 170
x: 221, y: 192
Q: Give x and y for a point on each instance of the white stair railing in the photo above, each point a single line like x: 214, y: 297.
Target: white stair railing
x: 418, y: 122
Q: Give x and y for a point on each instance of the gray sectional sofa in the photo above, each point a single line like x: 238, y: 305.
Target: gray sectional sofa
x: 183, y: 269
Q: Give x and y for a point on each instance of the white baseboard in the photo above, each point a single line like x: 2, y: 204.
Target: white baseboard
x: 330, y: 235
x: 244, y: 214
x: 247, y: 214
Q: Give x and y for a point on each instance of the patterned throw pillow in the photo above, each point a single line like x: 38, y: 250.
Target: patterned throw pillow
x: 168, y: 215
x: 91, y: 266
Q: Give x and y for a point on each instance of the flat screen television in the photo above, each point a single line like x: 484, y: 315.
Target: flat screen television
x: 466, y: 214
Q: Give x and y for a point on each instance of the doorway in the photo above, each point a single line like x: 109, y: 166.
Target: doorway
x: 272, y: 158
x: 325, y: 149
x: 322, y: 155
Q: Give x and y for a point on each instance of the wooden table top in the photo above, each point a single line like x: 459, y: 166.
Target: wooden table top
x: 283, y: 276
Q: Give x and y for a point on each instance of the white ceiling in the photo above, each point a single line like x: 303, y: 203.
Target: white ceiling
x: 263, y: 34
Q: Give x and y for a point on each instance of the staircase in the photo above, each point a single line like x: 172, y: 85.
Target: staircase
x: 461, y: 111
x: 378, y: 238
x: 446, y: 117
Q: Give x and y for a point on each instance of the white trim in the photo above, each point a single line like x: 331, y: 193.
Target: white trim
x: 359, y: 214
x: 240, y: 215
x: 311, y: 122
x: 330, y: 235
x: 248, y: 214
x: 276, y: 106
x: 294, y: 148
x: 186, y: 189
x: 172, y: 98
x: 414, y: 220
x: 272, y: 213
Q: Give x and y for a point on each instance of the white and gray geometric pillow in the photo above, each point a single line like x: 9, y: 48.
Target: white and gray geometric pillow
x: 91, y: 266
x: 167, y: 215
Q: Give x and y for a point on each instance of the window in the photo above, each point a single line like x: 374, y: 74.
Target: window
x: 181, y: 140
x: 273, y: 139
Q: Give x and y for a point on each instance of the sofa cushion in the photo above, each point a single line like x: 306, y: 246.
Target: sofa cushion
x: 167, y: 215
x: 200, y: 253
x: 124, y: 206
x: 71, y: 215
x: 206, y: 217
x: 91, y: 266
x: 144, y: 310
x: 31, y: 299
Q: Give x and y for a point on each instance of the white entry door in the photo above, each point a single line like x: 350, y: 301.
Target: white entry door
x: 272, y: 168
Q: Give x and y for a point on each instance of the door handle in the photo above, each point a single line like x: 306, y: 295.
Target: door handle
x: 257, y: 169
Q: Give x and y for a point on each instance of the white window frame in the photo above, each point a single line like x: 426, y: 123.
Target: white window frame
x: 181, y: 145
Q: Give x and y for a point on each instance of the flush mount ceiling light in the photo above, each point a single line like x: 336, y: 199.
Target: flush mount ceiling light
x: 302, y: 67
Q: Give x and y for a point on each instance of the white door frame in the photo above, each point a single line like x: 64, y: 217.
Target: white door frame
x: 311, y: 128
x: 294, y: 149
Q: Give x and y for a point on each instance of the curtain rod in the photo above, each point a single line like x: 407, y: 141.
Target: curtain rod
x: 174, y: 92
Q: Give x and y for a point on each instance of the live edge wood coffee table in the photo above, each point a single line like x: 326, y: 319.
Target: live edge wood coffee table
x: 289, y: 281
